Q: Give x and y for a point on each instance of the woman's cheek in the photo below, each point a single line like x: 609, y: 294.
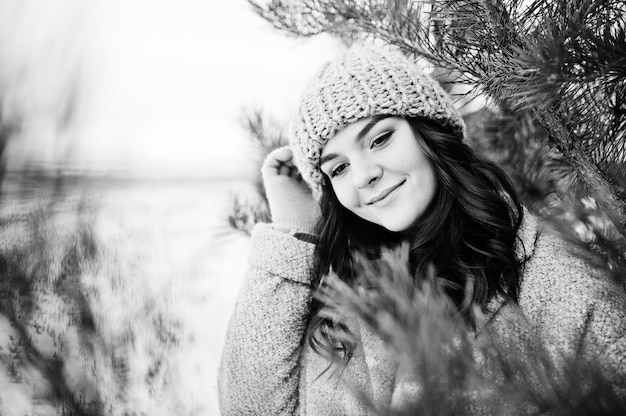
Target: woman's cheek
x: 345, y: 195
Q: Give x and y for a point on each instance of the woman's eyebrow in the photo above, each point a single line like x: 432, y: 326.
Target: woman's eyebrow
x: 368, y: 127
x: 327, y: 157
x: 359, y: 137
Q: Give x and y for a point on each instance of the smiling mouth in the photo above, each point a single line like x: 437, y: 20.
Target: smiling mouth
x: 385, y: 193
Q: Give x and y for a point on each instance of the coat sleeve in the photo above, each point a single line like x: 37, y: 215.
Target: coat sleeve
x: 260, y: 368
x: 577, y: 307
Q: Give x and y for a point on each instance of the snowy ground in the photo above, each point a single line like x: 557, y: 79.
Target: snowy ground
x: 169, y: 268
x: 195, y: 263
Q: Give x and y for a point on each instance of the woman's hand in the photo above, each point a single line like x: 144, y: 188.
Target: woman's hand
x: 291, y: 202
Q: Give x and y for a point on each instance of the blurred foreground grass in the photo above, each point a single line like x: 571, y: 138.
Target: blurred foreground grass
x: 114, y: 296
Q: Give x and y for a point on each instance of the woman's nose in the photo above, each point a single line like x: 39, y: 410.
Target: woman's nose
x: 365, y: 174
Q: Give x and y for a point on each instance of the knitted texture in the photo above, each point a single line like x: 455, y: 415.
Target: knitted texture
x: 361, y: 83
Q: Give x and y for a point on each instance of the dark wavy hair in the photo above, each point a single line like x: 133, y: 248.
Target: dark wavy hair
x: 468, y: 234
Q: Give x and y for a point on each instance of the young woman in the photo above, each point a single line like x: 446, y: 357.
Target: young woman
x: 382, y: 148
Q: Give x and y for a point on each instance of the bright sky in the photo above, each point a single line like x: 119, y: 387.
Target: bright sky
x: 162, y: 83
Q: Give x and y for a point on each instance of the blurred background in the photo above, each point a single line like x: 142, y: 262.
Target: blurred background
x: 122, y: 138
x: 150, y: 88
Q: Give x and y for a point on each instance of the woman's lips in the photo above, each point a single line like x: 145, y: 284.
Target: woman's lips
x: 385, y: 193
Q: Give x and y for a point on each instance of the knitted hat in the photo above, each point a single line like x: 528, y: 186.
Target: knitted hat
x: 363, y: 82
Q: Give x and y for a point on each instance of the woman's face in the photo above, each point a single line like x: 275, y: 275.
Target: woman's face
x: 379, y: 172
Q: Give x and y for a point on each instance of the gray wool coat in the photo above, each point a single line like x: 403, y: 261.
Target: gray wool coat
x: 268, y: 369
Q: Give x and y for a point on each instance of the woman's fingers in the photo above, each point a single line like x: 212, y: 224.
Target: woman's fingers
x: 283, y: 154
x: 279, y: 162
x: 284, y: 170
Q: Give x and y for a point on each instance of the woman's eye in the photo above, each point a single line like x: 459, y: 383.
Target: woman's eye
x: 338, y: 170
x: 380, y: 139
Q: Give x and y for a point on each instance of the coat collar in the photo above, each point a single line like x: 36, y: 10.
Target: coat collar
x: 526, y: 237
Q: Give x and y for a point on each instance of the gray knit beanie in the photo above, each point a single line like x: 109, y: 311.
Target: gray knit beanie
x: 363, y: 82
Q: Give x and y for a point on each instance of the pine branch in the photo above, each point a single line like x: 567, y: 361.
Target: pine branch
x: 499, y: 372
x: 262, y: 129
x: 592, y: 234
x: 594, y: 181
x: 243, y: 213
x: 265, y: 134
